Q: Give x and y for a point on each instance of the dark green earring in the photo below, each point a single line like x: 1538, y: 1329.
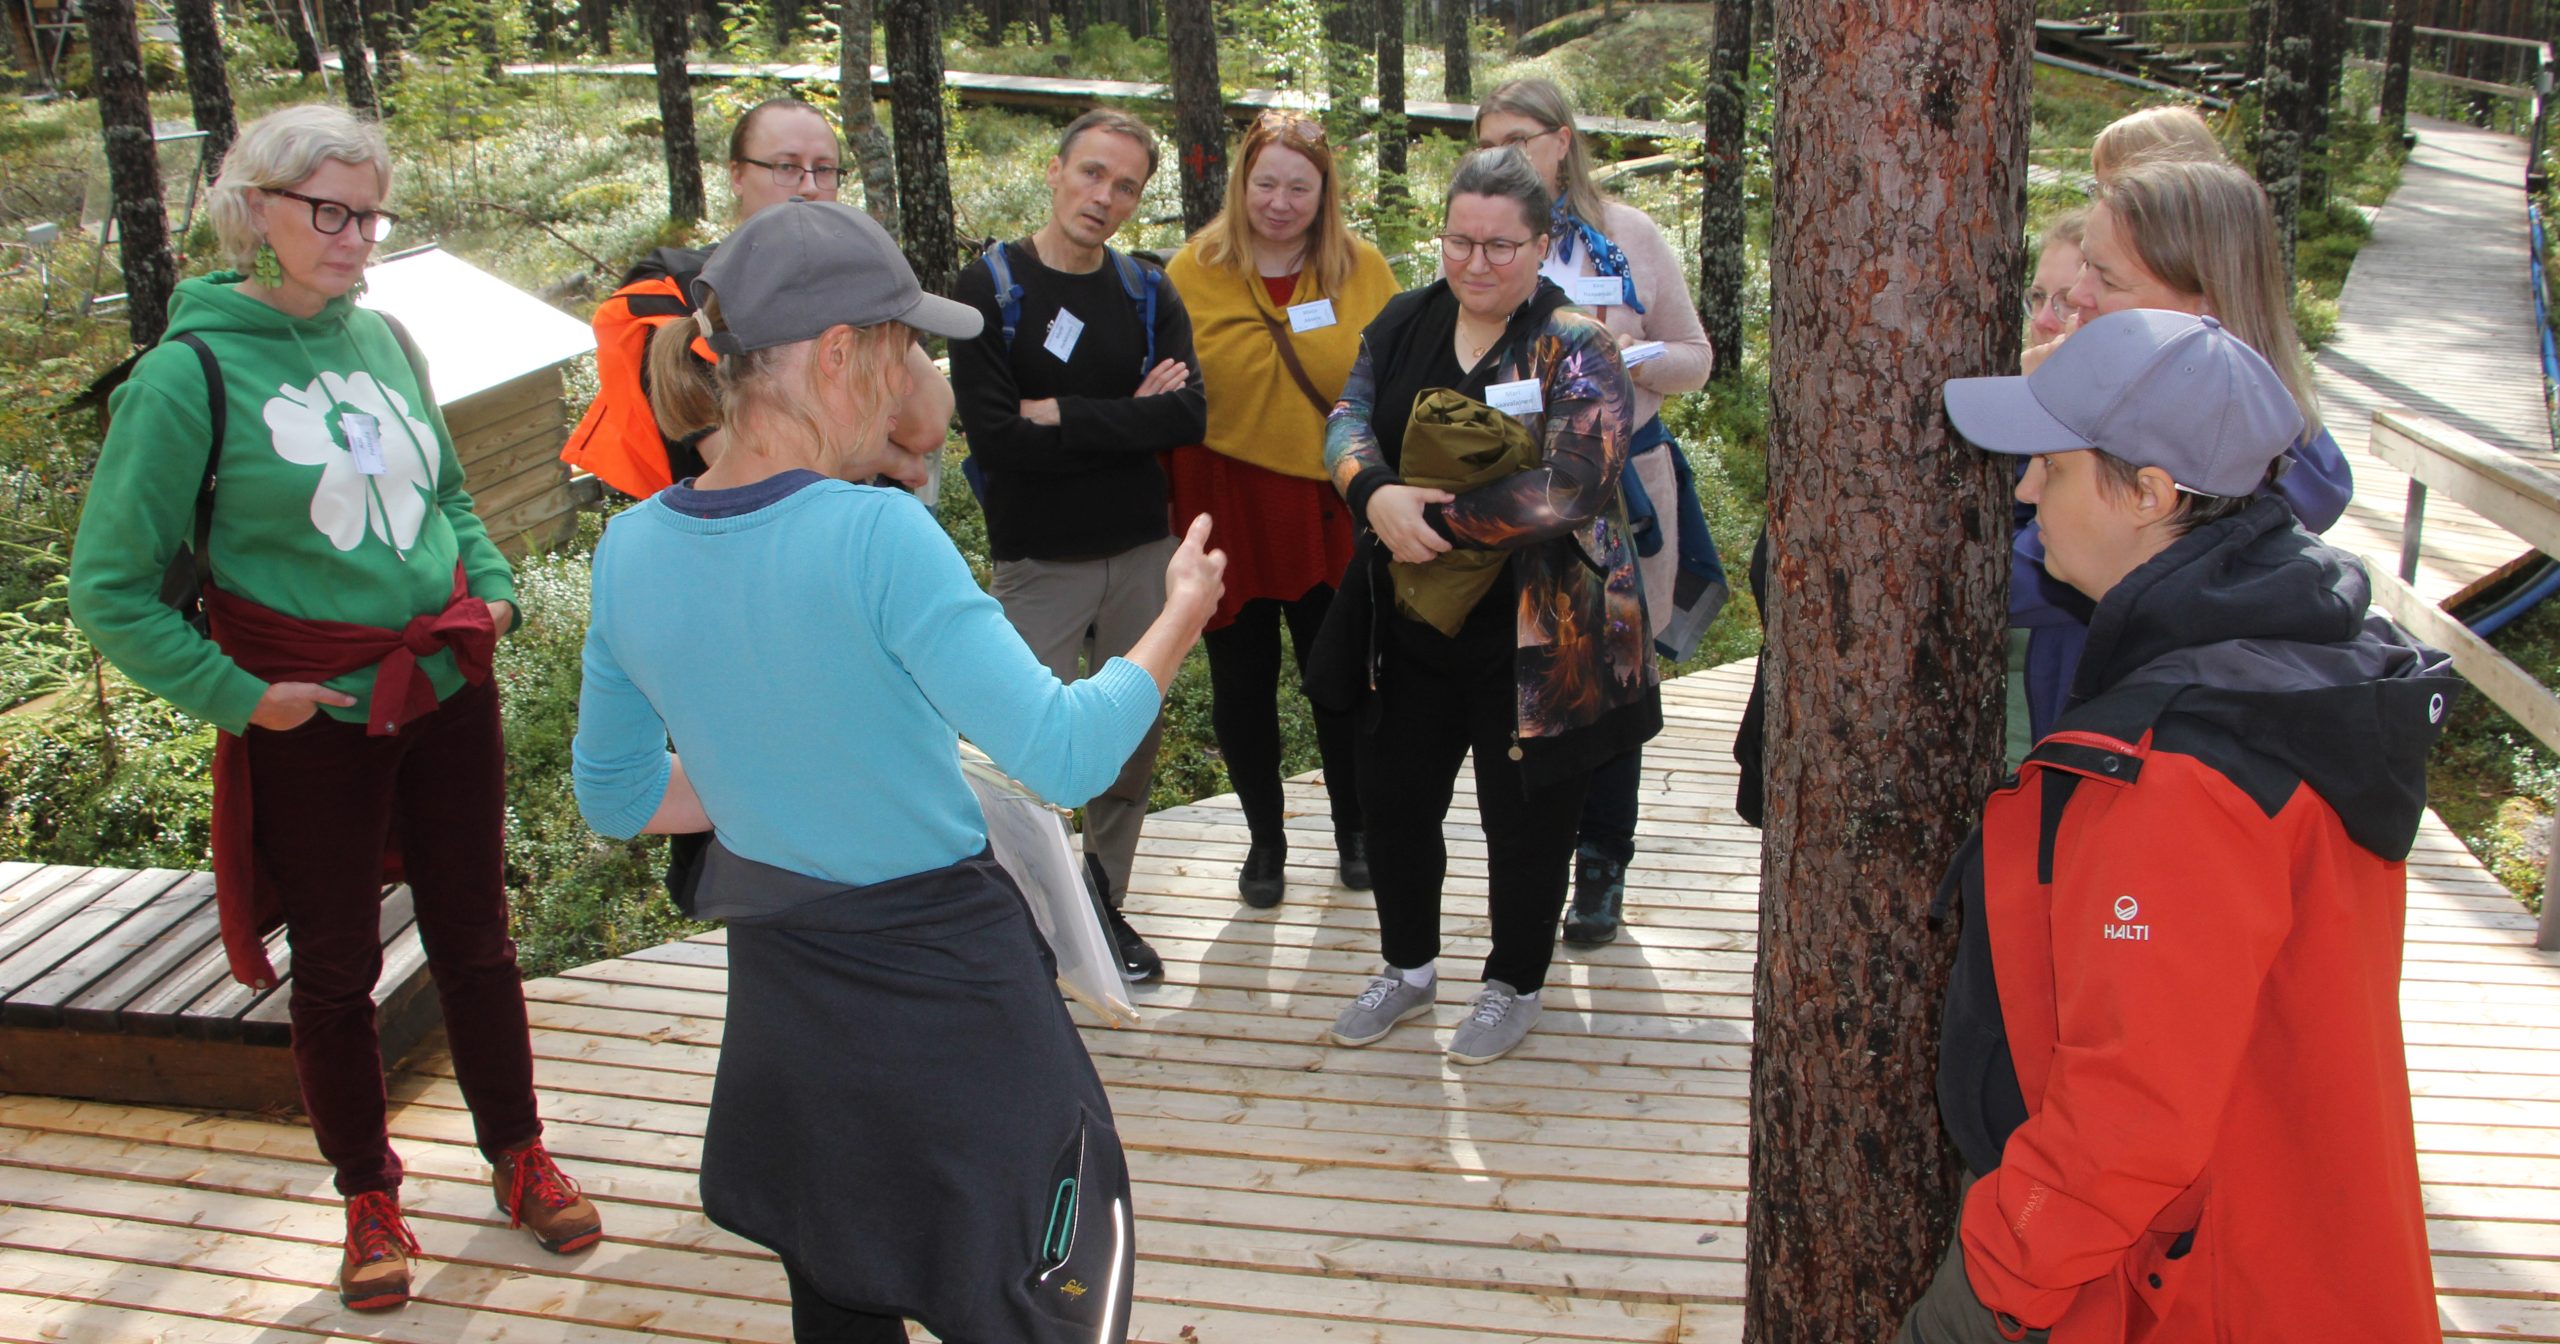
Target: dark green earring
x: 265, y: 268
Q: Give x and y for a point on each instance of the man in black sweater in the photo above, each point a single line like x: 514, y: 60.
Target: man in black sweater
x: 1068, y: 417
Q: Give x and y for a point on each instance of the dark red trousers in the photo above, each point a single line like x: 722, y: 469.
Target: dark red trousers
x: 326, y: 797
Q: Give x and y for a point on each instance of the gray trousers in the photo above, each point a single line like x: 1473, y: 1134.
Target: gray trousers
x: 1077, y: 615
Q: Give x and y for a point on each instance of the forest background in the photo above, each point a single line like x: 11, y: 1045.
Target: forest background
x: 556, y: 177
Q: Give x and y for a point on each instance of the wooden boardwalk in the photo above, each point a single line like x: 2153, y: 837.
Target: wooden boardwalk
x: 1589, y: 1188
x: 2437, y: 317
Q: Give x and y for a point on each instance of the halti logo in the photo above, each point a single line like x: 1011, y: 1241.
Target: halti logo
x: 2124, y: 930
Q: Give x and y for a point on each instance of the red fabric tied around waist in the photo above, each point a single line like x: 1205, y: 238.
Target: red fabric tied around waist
x: 276, y: 647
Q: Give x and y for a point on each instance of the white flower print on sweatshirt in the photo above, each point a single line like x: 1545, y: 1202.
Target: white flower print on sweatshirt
x: 347, y: 503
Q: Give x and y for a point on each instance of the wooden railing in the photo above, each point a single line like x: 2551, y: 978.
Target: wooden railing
x: 2524, y: 500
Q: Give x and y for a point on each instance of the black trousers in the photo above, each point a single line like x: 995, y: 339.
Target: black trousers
x: 1244, y: 711
x: 815, y: 1320
x: 1609, y: 815
x: 1439, y: 698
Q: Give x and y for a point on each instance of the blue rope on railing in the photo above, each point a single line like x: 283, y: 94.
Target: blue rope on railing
x: 2542, y: 323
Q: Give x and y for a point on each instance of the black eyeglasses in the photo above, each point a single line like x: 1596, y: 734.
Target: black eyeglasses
x: 788, y: 174
x: 1456, y: 248
x: 332, y: 216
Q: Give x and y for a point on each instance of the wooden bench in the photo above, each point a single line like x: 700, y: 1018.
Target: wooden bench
x: 113, y: 986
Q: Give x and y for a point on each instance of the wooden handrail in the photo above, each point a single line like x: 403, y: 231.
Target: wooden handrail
x: 2521, y: 498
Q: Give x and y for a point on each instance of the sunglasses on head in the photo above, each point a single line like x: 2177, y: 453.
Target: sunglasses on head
x: 1295, y: 125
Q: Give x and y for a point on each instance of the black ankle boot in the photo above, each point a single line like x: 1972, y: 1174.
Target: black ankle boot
x: 1599, y: 899
x: 1353, y: 849
x: 1261, y: 884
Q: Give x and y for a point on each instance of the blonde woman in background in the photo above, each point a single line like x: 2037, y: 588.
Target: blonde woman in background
x: 2152, y: 134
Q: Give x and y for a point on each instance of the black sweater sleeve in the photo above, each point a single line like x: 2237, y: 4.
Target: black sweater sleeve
x: 1156, y: 424
x: 990, y: 401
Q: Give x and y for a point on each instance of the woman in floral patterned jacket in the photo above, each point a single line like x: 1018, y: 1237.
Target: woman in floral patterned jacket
x: 1551, y: 672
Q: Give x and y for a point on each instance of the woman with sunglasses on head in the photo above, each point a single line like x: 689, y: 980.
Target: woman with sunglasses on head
x: 1510, y: 622
x: 903, y: 1113
x: 352, y: 600
x: 1278, y: 289
x: 1611, y: 260
x: 782, y: 149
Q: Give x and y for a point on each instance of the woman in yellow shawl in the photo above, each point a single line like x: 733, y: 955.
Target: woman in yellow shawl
x: 1278, y: 290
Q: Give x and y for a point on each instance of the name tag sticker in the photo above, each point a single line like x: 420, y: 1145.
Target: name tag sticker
x: 1643, y: 352
x: 1064, y: 330
x: 364, y: 442
x: 1520, y: 398
x: 1311, y: 315
x: 1597, y: 291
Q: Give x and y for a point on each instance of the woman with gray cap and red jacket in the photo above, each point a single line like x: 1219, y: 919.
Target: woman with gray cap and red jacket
x: 2172, y: 1050
x: 903, y: 1111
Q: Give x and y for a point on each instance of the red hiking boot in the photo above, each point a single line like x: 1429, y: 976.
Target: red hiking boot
x: 375, y: 1274
x: 536, y: 1195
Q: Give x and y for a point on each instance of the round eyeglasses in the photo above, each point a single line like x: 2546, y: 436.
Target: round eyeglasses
x: 1456, y: 248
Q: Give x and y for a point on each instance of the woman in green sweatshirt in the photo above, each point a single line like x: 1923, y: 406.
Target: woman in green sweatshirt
x: 352, y: 602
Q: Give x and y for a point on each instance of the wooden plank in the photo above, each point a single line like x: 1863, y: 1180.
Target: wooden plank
x: 64, y: 900
x: 2516, y: 495
x: 41, y: 1002
x: 476, y: 412
x: 31, y: 959
x: 2479, y: 662
x: 101, y: 1006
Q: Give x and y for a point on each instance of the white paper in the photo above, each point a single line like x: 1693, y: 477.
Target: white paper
x: 1312, y: 315
x: 364, y: 442
x: 1520, y: 398
x: 1064, y: 329
x: 1643, y: 352
x: 1597, y: 291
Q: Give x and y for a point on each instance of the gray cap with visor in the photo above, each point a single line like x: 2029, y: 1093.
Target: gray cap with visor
x: 801, y: 267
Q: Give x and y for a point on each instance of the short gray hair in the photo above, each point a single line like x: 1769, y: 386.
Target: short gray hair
x: 1506, y: 172
x: 280, y: 149
x: 1115, y: 122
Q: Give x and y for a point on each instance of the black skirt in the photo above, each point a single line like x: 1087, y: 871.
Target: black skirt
x: 905, y: 1114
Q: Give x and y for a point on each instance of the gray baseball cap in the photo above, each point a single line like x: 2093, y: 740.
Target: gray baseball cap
x: 2155, y: 388
x: 801, y: 267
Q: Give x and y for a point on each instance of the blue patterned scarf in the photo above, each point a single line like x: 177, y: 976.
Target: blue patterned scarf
x: 1605, y: 256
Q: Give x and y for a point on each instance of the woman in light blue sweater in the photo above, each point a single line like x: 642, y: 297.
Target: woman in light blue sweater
x: 903, y: 1111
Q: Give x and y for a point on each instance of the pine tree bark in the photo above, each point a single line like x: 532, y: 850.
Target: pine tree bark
x: 1723, y: 248
x: 1199, y: 119
x: 914, y: 32
x: 297, y: 26
x: 1457, y: 37
x: 346, y: 33
x: 855, y: 108
x: 2396, y: 57
x: 597, y: 17
x: 208, y: 80
x: 1393, y: 135
x: 133, y: 167
x: 2284, y: 121
x: 1764, y: 23
x: 1897, y: 257
x: 669, y: 26
x: 382, y: 29
x: 2328, y: 72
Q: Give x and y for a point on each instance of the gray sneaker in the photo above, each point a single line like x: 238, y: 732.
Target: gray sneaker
x: 1387, y: 1001
x: 1493, y: 1026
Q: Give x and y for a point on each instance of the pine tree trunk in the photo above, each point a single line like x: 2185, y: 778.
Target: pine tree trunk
x: 1723, y: 249
x: 2328, y: 70
x: 1764, y: 23
x: 669, y: 25
x: 862, y: 129
x: 914, y: 32
x: 133, y: 167
x: 346, y: 33
x: 208, y: 80
x: 2284, y: 122
x: 1457, y: 36
x: 2396, y: 58
x: 382, y: 29
x: 1393, y: 135
x: 1200, y: 123
x: 1346, y: 52
x: 1897, y: 259
x: 297, y: 25
x: 597, y: 16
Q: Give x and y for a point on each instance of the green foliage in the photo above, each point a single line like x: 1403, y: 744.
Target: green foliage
x: 1102, y: 51
x: 160, y: 70
x: 2489, y: 780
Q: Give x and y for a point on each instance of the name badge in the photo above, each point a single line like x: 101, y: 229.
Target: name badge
x: 1520, y: 398
x: 364, y: 442
x: 1643, y: 352
x: 1064, y: 330
x: 1311, y: 315
x: 1597, y: 291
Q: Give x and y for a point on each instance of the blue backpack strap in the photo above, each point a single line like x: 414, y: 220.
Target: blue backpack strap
x: 1139, y: 280
x: 1008, y: 294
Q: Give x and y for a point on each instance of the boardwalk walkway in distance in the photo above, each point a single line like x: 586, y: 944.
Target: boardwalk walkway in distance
x: 1589, y: 1188
x: 2437, y: 318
